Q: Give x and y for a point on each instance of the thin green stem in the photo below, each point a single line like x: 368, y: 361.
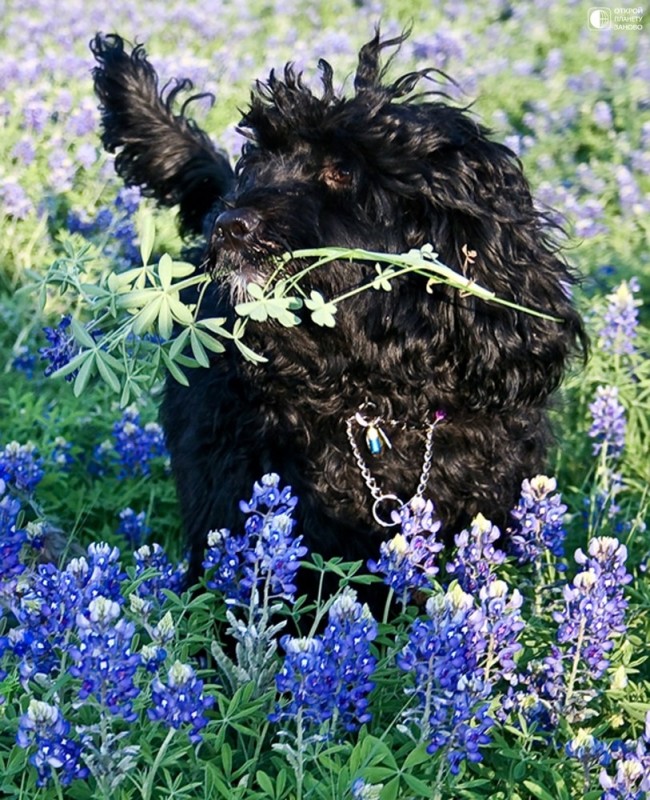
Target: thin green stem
x: 147, y: 789
x: 576, y: 661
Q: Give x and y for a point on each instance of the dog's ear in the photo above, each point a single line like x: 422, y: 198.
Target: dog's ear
x: 482, y: 220
x: 165, y: 154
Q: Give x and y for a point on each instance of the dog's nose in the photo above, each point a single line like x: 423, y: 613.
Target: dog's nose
x: 236, y: 226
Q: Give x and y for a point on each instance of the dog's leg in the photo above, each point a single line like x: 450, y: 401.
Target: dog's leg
x: 165, y: 154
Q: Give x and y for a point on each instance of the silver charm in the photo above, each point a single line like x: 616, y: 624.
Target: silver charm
x: 376, y: 437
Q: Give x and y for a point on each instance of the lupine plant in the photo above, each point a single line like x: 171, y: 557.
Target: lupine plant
x: 509, y: 664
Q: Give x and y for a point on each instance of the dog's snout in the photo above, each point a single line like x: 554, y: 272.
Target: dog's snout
x: 236, y: 226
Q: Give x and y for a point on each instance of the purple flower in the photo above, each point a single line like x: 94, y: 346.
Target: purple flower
x: 225, y: 559
x: 267, y: 556
x: 133, y: 526
x: 12, y: 540
x: 408, y: 560
x: 20, y: 466
x: 135, y: 445
x: 164, y: 575
x: 48, y: 607
x: 328, y: 677
x: 103, y: 659
x: 609, y: 423
x: 620, y: 320
x: 180, y: 701
x: 586, y: 748
x: 62, y: 348
x: 538, y: 521
x: 14, y: 200
x: 476, y: 557
x: 443, y: 658
x: 631, y: 780
x: 44, y: 727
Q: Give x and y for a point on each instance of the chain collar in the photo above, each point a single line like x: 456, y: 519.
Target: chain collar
x: 376, y: 440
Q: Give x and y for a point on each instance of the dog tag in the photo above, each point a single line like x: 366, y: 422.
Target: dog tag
x: 376, y: 439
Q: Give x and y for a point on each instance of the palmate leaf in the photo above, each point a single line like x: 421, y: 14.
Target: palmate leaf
x: 276, y: 306
x: 322, y: 312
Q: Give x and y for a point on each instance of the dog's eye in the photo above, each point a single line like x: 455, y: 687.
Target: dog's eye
x: 336, y: 176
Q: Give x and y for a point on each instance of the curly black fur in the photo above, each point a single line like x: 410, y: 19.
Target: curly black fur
x: 382, y: 170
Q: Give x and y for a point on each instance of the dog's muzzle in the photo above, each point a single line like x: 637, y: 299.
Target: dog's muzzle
x: 236, y: 228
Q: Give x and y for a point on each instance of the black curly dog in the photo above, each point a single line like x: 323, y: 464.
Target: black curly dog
x: 384, y: 170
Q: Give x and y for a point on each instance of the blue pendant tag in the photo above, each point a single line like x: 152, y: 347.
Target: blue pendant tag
x: 376, y: 439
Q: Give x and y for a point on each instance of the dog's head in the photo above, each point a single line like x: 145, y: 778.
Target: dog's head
x: 386, y: 169
x: 390, y: 169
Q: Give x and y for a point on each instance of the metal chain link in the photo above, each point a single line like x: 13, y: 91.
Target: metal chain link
x: 371, y: 483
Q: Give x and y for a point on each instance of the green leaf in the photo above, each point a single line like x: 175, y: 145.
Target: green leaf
x: 178, y: 345
x: 249, y: 355
x: 175, y: 371
x: 215, y: 324
x: 147, y: 316
x: 72, y: 365
x: 165, y: 319
x: 265, y: 782
x: 105, y: 371
x: 83, y: 376
x: 322, y: 312
x: 382, y: 281
x: 539, y: 791
x: 417, y: 756
x: 147, y: 231
x: 389, y: 792
x: 81, y: 335
x: 198, y: 351
x: 209, y: 341
x: 165, y: 271
x: 423, y: 789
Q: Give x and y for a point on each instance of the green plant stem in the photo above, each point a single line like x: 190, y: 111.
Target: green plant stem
x: 576, y: 661
x: 147, y: 789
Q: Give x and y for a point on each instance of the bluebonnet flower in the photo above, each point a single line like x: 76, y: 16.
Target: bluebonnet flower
x: 620, y: 320
x: 501, y: 625
x: 135, y: 445
x: 476, y: 557
x: 44, y: 726
x: 180, y: 701
x: 538, y: 521
x: 133, y: 526
x: 328, y: 677
x: 632, y: 778
x: 593, y: 615
x: 308, y: 678
x: 609, y: 424
x: 443, y: 656
x: 408, y: 560
x: 49, y: 602
x: 585, y: 748
x: 24, y: 360
x: 62, y: 348
x: 267, y: 556
x: 347, y: 637
x: 166, y: 576
x: 15, y: 202
x: 21, y: 466
x: 103, y: 659
x: 112, y: 227
x: 224, y: 560
x: 590, y: 621
x: 12, y: 540
x: 61, y: 453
